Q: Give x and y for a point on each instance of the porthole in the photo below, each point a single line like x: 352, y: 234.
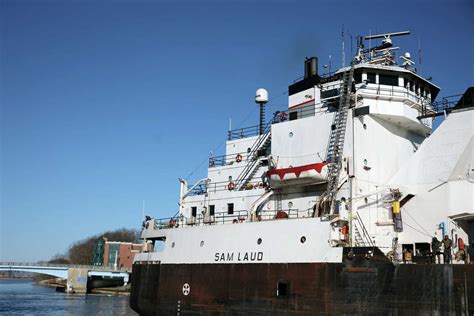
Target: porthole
x: 303, y: 239
x: 202, y: 243
x: 259, y: 241
x: 366, y: 200
x: 365, y: 126
x: 290, y: 204
x: 290, y: 134
x: 172, y: 244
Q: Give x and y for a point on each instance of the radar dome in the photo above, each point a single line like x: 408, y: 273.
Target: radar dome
x: 407, y: 55
x: 261, y: 96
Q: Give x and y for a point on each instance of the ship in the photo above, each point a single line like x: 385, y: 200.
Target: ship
x: 333, y: 206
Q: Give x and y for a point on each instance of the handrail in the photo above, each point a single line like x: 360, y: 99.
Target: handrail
x: 364, y: 230
x: 252, y: 155
x: 55, y: 265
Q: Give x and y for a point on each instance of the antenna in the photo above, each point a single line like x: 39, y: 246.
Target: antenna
x: 386, y: 35
x: 419, y: 54
x: 343, y: 64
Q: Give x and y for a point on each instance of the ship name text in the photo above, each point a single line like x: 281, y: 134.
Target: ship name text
x: 239, y: 256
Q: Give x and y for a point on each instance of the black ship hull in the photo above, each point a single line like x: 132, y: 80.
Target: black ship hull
x: 361, y: 286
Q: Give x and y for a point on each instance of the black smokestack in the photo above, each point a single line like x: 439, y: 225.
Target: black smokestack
x: 310, y: 67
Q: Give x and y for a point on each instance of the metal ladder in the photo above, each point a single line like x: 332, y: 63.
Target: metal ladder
x: 336, y: 140
x: 261, y: 144
x: 361, y: 239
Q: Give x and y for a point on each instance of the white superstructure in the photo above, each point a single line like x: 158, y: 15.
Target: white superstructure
x: 350, y: 163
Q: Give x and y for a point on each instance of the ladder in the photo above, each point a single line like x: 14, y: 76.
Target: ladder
x: 361, y: 239
x: 336, y: 139
x: 253, y: 157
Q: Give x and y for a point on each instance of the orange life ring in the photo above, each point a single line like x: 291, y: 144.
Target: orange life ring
x: 238, y: 158
x: 231, y: 186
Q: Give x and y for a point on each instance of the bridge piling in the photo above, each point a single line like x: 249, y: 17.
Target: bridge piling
x: 77, y: 280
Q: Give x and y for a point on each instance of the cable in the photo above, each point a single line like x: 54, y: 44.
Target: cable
x: 240, y: 124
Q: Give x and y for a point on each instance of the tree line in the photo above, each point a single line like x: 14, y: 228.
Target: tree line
x: 81, y: 252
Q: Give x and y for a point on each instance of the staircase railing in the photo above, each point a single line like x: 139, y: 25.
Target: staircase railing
x: 253, y: 158
x: 336, y: 139
x: 365, y: 234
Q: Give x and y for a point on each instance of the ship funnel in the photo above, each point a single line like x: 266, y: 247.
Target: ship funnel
x: 310, y: 67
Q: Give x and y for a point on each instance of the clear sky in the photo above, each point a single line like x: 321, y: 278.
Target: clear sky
x: 105, y: 104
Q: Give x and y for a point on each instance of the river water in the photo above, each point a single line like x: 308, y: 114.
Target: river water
x: 21, y: 297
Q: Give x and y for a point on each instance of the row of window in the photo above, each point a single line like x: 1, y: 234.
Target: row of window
x: 212, y: 210
x: 391, y: 80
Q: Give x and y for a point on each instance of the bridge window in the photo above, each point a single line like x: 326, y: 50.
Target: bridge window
x: 358, y: 78
x: 388, y: 80
x: 230, y: 208
x: 370, y: 77
x: 194, y: 211
x: 212, y: 210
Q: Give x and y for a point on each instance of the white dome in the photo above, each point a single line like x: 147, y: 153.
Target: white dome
x: 261, y: 96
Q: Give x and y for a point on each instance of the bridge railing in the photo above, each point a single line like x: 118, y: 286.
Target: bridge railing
x: 55, y: 265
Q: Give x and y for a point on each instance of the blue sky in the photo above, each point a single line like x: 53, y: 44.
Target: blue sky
x: 105, y: 104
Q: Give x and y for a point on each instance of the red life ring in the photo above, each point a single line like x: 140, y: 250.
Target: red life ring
x: 238, y: 158
x: 231, y: 186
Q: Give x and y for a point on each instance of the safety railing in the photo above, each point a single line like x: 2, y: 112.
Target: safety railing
x: 235, y: 217
x: 55, y: 265
x: 283, y: 214
x: 365, y: 234
x: 243, y: 132
x: 202, y: 219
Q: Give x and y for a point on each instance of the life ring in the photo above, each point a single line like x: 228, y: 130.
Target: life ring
x: 231, y: 186
x: 235, y: 221
x: 283, y: 116
x: 238, y: 158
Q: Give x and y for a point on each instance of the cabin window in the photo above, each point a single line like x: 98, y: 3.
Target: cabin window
x: 212, y: 210
x: 230, y: 208
x: 388, y: 80
x: 194, y: 211
x: 370, y: 77
x: 293, y: 116
x: 283, y: 288
x: 358, y: 78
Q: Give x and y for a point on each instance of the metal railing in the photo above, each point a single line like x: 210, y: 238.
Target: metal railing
x: 201, y: 219
x: 240, y: 216
x: 55, y: 265
x: 288, y: 214
x: 365, y: 234
x: 243, y: 132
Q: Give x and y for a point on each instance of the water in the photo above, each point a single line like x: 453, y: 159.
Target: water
x: 21, y: 297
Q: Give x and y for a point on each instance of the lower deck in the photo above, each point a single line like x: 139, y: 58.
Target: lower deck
x: 360, y: 285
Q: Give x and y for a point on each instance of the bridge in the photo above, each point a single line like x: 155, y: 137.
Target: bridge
x: 77, y: 276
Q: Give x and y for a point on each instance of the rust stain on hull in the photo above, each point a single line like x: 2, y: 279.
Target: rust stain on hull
x: 358, y: 287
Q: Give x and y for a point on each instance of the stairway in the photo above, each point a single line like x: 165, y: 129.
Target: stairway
x: 336, y: 139
x: 361, y: 238
x: 254, y: 159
